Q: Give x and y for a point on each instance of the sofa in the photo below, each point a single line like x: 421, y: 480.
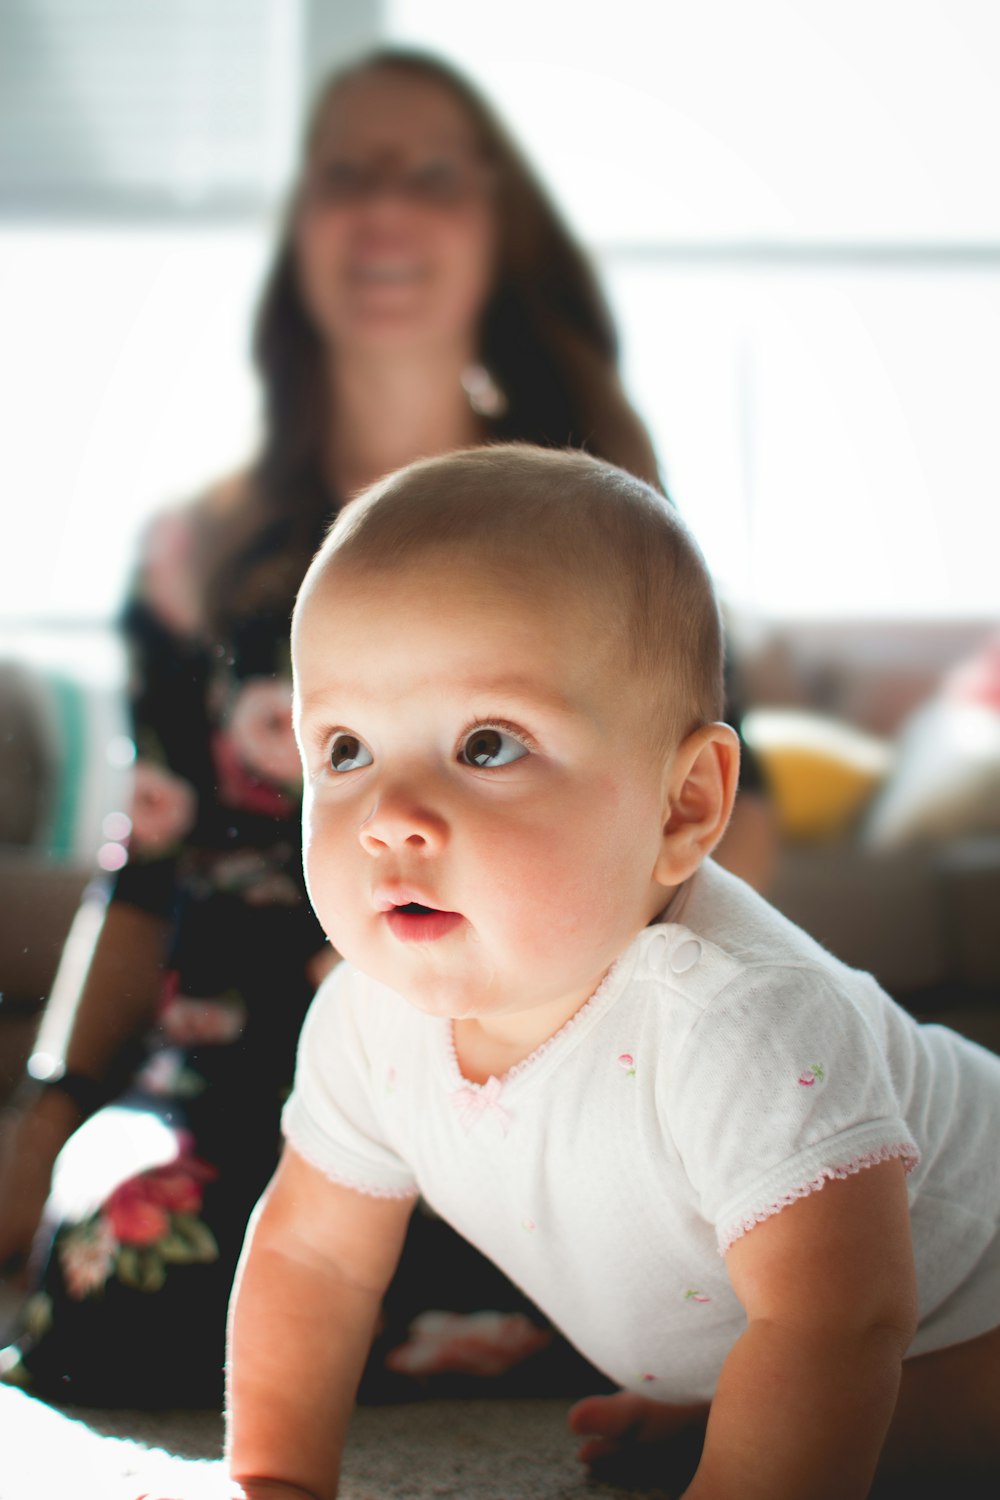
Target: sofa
x: 881, y: 742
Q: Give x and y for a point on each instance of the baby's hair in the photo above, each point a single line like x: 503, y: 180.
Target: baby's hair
x: 540, y: 518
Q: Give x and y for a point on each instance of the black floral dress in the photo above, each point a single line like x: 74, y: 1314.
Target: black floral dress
x: 153, y: 1193
x: 131, y: 1302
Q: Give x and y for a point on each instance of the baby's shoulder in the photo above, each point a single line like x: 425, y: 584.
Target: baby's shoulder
x: 708, y: 969
x: 685, y: 966
x: 710, y: 999
x: 729, y: 952
x: 349, y: 1000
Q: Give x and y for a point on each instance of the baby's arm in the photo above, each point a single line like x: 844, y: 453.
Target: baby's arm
x: 807, y: 1393
x: 317, y: 1260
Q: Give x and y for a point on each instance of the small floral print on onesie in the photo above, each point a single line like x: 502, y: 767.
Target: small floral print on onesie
x: 391, y: 1078
x: 528, y: 1224
x: 694, y: 1295
x: 815, y: 1073
x: 627, y: 1062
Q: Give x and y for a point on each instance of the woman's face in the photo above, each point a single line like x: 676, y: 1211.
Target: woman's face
x: 395, y: 232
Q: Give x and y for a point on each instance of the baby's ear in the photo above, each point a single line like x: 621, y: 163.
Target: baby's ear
x: 699, y: 791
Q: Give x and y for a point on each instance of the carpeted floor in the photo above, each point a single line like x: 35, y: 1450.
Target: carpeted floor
x: 468, y: 1450
x: 433, y: 1450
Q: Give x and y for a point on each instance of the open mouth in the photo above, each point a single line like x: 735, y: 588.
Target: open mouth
x: 416, y: 923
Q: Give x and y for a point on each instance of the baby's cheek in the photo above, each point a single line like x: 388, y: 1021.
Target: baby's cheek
x: 556, y: 892
x: 604, y: 869
x: 318, y: 860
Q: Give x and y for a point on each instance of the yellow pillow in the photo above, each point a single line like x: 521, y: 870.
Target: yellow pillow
x: 820, y: 771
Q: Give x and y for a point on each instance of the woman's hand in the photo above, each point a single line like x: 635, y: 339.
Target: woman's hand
x: 31, y: 1140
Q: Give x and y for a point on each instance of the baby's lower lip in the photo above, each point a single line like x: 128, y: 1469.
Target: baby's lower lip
x: 423, y: 926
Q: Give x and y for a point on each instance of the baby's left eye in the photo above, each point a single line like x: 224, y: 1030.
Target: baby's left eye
x: 347, y: 753
x: 490, y: 747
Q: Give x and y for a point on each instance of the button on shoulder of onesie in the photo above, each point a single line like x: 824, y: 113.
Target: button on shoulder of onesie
x: 685, y: 956
x: 657, y: 951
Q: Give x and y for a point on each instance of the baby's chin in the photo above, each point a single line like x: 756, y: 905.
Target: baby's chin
x: 433, y: 994
x: 445, y: 999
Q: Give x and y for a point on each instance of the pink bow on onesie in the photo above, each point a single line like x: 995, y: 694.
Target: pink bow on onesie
x: 472, y: 1103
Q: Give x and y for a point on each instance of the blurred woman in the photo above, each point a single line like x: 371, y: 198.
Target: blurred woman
x: 424, y: 296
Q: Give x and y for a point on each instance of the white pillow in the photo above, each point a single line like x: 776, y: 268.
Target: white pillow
x: 946, y: 782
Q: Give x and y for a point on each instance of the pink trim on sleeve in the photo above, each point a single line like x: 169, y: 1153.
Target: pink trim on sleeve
x: 368, y: 1190
x: 902, y: 1149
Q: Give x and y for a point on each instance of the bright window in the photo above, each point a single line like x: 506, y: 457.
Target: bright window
x: 827, y: 432
x: 125, y: 386
x: 792, y: 204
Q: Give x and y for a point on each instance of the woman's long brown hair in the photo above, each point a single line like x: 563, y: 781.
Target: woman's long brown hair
x: 546, y: 336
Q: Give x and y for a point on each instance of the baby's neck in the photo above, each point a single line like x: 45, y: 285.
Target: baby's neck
x: 481, y: 1056
x: 491, y: 1046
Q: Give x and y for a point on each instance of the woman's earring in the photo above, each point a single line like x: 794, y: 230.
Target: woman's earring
x: 485, y: 396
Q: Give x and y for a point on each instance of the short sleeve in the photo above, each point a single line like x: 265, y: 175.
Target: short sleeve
x: 329, y: 1117
x: 783, y: 1083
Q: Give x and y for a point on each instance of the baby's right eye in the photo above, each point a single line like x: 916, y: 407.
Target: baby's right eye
x: 347, y: 753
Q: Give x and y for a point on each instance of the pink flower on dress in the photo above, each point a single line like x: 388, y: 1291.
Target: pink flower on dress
x: 261, y: 729
x: 134, y: 1220
x: 186, y: 1022
x: 814, y: 1074
x: 627, y: 1061
x: 139, y: 1210
x: 693, y: 1295
x: 180, y: 1185
x: 165, y: 1076
x: 87, y: 1255
x: 163, y: 808
x: 241, y: 787
x: 253, y: 877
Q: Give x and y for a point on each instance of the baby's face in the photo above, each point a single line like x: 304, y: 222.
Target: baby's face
x: 483, y: 799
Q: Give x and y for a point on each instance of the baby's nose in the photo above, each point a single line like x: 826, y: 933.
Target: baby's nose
x: 399, y: 821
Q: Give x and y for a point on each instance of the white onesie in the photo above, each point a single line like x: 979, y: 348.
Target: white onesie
x: 726, y: 1066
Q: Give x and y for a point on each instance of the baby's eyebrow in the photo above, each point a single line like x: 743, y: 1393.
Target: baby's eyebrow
x: 506, y: 691
x: 517, y: 690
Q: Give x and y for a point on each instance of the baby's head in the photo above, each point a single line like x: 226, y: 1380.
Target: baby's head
x: 508, y: 670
